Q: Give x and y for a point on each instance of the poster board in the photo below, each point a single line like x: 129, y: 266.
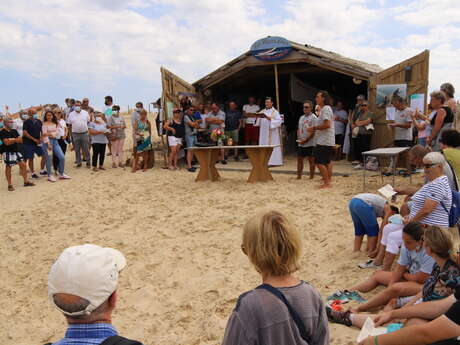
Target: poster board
x: 417, y: 102
x: 386, y: 92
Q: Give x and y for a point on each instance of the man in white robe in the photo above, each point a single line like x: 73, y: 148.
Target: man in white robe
x: 270, y: 122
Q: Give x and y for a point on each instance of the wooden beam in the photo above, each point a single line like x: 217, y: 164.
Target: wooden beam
x: 275, y: 66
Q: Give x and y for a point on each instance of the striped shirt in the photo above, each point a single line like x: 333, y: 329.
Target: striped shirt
x: 87, y: 334
x: 439, y: 191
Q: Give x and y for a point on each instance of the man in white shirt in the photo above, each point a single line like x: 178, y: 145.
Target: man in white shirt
x: 403, y: 123
x: 78, y: 125
x: 402, y: 128
x: 251, y: 132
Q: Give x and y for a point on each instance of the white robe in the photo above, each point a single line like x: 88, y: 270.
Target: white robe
x: 270, y: 131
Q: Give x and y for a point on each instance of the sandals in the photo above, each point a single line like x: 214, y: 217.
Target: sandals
x: 11, y: 188
x: 29, y: 184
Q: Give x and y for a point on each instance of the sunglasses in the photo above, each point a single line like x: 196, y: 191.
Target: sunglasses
x: 363, y: 105
x: 428, y: 166
x: 307, y: 107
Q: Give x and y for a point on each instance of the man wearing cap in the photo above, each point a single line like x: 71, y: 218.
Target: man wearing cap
x: 82, y: 284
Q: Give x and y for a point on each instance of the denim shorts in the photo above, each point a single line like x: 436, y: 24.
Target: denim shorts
x: 190, y: 140
x: 364, y: 218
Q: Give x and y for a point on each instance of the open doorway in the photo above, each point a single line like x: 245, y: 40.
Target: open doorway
x: 297, y: 83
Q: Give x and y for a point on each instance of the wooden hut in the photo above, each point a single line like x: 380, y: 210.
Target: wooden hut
x: 290, y: 71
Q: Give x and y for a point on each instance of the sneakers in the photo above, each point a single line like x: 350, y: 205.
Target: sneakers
x: 340, y: 317
x: 64, y: 177
x: 35, y: 176
x: 43, y: 172
x: 358, y: 167
x: 51, y: 178
x: 369, y: 264
x: 223, y: 162
x: 343, y: 295
x: 192, y: 169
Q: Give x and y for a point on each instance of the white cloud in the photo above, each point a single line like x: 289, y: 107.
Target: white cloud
x: 103, y: 41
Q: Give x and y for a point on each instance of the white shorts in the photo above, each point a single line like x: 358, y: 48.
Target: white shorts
x: 388, y: 229
x: 402, y: 301
x: 173, y: 141
x: 394, y: 242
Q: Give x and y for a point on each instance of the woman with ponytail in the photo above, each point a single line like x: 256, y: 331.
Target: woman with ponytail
x: 283, y: 310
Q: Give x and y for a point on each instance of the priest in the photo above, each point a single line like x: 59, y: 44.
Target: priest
x: 270, y: 122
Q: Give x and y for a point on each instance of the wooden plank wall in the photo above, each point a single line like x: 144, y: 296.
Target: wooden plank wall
x: 418, y: 83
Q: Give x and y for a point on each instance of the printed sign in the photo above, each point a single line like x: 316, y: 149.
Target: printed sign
x: 271, y: 48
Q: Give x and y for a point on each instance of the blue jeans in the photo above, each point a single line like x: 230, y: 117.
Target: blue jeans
x: 364, y: 218
x: 57, y: 151
x: 422, y: 141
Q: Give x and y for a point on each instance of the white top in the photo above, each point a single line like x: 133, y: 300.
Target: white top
x: 18, y: 124
x: 78, y: 121
x: 251, y: 109
x: 340, y: 126
x: 305, y: 122
x: 439, y: 191
x: 403, y: 117
x: 325, y: 137
x: 61, y: 129
x: 428, y: 128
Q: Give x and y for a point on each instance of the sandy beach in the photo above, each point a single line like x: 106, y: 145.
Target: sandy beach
x: 182, y: 242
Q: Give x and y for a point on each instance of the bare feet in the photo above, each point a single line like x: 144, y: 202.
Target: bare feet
x: 299, y: 177
x: 94, y: 169
x: 325, y: 186
x: 391, y: 305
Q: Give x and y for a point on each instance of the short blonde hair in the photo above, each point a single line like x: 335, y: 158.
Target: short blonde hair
x: 272, y: 244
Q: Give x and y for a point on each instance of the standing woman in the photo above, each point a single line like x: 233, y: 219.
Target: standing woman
x: 176, y: 133
x: 50, y: 145
x: 98, y: 132
x: 143, y: 136
x: 449, y: 91
x: 117, y: 126
x: 62, y: 135
x: 443, y: 119
x: 364, y: 136
x: 283, y: 310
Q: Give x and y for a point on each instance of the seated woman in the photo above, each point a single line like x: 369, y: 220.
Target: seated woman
x: 284, y: 310
x: 442, y: 282
x: 365, y: 209
x: 413, y: 268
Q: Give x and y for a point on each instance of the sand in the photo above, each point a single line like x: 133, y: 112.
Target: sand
x: 182, y: 242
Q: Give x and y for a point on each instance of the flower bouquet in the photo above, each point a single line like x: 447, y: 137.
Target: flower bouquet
x: 218, y: 136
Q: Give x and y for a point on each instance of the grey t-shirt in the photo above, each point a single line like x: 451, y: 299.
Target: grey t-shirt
x: 261, y: 318
x: 189, y: 131
x: 374, y: 200
x: 305, y: 122
x: 98, y: 138
x: 220, y: 115
x: 403, y: 117
x: 325, y: 137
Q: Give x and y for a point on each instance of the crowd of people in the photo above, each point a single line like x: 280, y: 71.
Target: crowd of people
x: 26, y: 134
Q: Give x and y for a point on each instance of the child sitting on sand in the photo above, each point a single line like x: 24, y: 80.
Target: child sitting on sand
x: 283, y: 310
x: 443, y: 281
x: 407, y: 279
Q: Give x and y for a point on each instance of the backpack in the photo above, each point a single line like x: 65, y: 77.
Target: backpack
x: 454, y: 214
x: 116, y: 340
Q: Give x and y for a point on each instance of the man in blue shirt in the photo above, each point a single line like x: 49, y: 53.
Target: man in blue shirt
x: 233, y: 124
x: 82, y: 284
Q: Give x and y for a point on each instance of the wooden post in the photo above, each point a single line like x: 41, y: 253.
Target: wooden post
x: 277, y: 88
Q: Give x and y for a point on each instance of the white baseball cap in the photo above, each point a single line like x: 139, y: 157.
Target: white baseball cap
x: 396, y: 219
x: 435, y: 158
x: 87, y: 271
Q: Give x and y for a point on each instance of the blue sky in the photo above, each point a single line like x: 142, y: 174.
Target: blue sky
x: 91, y: 48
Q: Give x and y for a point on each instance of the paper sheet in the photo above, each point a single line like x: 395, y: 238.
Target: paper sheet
x: 369, y: 329
x: 417, y: 102
x: 387, y: 191
x: 391, y: 113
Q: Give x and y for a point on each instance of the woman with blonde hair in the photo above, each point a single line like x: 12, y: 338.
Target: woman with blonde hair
x: 283, y: 310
